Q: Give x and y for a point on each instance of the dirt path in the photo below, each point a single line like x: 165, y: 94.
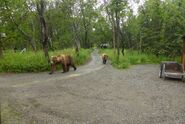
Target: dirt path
x: 96, y: 94
x: 21, y: 80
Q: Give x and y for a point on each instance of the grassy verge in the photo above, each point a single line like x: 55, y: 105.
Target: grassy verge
x: 134, y: 57
x: 36, y: 62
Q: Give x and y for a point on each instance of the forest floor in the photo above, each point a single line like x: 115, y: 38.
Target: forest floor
x: 94, y: 94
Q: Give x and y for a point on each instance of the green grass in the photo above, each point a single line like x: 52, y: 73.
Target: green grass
x: 133, y: 57
x: 36, y: 62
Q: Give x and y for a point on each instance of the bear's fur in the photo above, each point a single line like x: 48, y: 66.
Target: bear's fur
x: 104, y: 58
x: 65, y: 60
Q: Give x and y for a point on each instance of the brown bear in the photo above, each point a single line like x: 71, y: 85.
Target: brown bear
x: 65, y: 60
x: 104, y: 58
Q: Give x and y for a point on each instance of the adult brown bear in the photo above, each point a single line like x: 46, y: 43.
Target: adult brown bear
x: 65, y: 60
x: 104, y: 58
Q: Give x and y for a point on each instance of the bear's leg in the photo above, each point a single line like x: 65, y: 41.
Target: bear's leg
x: 72, y: 65
x: 104, y: 61
x: 53, y: 68
x: 64, y: 68
x: 67, y: 67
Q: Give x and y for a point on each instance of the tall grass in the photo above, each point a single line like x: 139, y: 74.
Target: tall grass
x: 36, y: 62
x: 134, y: 57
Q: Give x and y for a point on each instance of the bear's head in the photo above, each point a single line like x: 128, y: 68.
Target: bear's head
x: 104, y: 58
x: 55, y: 59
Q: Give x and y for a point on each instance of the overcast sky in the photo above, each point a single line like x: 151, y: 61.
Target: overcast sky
x: 133, y: 4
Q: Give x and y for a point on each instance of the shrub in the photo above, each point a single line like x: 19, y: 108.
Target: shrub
x: 134, y: 57
x: 36, y: 62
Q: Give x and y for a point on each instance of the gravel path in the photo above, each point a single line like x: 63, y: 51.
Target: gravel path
x: 96, y: 94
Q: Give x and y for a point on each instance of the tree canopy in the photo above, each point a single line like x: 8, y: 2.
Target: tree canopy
x: 57, y: 24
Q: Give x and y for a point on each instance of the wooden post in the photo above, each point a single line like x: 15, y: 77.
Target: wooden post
x: 183, y: 52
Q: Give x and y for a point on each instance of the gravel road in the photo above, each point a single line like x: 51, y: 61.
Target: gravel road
x: 95, y: 94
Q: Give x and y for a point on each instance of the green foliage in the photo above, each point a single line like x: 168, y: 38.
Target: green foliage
x: 157, y: 28
x: 134, y: 57
x: 36, y: 62
x: 82, y: 57
x: 102, y: 33
x: 26, y: 62
x: 21, y: 20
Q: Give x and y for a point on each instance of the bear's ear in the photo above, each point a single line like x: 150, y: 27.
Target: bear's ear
x: 51, y: 61
x: 52, y: 57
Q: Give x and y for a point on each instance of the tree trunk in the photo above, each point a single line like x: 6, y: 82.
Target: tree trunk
x: 85, y: 33
x: 77, y: 46
x: 122, y: 42
x: 75, y: 31
x: 85, y: 24
x: 1, y: 47
x: 86, y: 38
x: 33, y: 43
x: 44, y: 37
x: 114, y: 34
x: 112, y: 21
x: 44, y: 28
x: 75, y: 35
x: 140, y: 42
x: 117, y: 34
x: 77, y: 42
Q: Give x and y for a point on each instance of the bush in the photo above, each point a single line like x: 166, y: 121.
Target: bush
x: 134, y: 57
x: 36, y: 62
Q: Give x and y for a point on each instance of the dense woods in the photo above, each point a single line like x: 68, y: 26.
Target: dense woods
x: 56, y: 24
x: 158, y: 28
